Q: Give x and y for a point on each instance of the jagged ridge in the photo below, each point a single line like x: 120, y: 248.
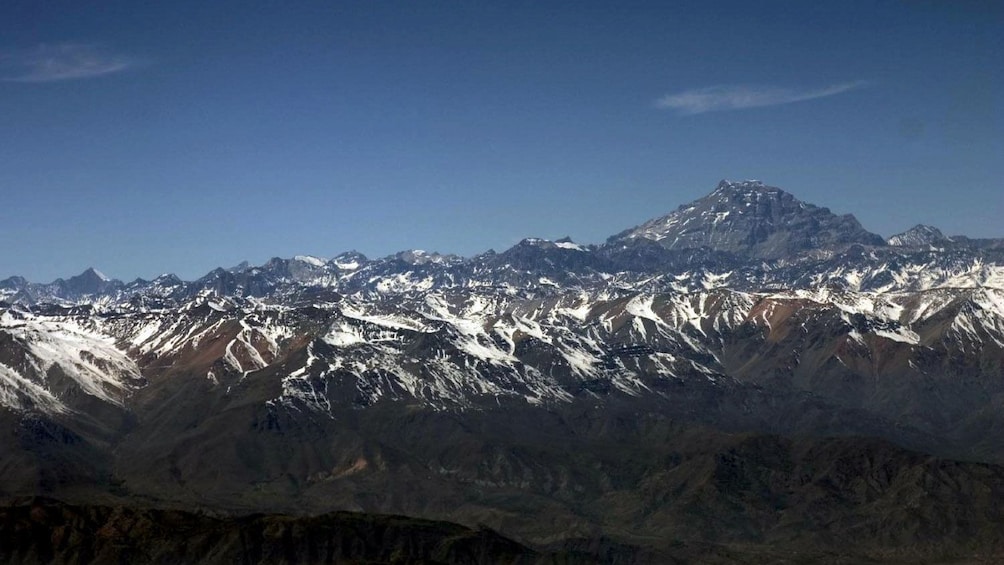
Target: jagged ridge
x: 749, y: 326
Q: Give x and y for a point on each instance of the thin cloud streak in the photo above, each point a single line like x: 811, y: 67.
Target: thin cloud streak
x: 722, y: 98
x: 60, y: 62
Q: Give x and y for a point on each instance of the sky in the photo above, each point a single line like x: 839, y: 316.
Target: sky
x: 142, y: 138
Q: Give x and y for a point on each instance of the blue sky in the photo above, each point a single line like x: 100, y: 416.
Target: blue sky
x: 184, y: 136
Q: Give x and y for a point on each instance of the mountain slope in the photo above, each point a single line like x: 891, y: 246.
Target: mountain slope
x: 679, y: 382
x: 919, y: 235
x: 48, y: 531
x: 753, y: 220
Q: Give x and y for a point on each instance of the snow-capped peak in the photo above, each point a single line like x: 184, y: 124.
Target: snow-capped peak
x: 748, y: 183
x: 751, y: 219
x: 563, y: 243
x: 98, y: 274
x: 918, y: 235
x: 310, y: 260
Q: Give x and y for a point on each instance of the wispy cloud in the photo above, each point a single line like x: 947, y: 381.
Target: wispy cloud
x: 61, y: 61
x: 719, y: 98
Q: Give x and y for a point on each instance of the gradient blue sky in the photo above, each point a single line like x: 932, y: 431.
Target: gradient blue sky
x: 182, y: 136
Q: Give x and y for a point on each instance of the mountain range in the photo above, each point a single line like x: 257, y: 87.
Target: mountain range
x: 746, y: 373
